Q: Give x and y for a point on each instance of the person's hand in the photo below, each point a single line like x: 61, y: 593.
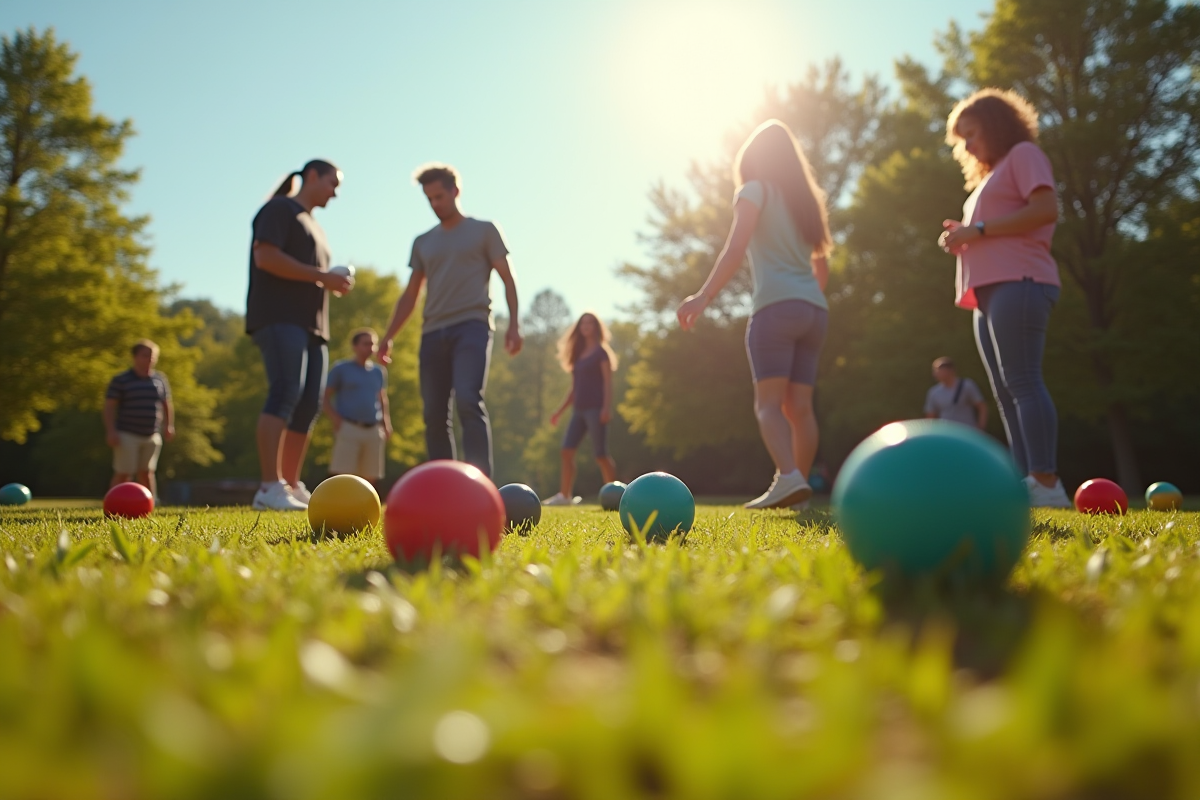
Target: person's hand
x: 384, y: 351
x: 337, y: 283
x: 956, y: 236
x: 605, y: 416
x: 169, y: 434
x: 387, y: 429
x: 113, y: 438
x: 513, y: 340
x: 691, y: 309
x: 554, y: 418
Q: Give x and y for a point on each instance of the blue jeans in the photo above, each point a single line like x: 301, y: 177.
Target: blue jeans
x: 295, y: 360
x: 454, y: 363
x: 1010, y: 331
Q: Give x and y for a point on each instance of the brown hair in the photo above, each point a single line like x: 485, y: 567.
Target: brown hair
x: 1005, y: 120
x: 570, y: 346
x: 288, y: 187
x: 443, y: 173
x: 362, y: 332
x: 773, y: 155
x: 143, y: 344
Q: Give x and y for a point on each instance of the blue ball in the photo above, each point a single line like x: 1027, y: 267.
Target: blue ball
x: 661, y: 493
x: 611, y: 494
x: 928, y: 496
x: 522, y: 507
x: 14, y: 494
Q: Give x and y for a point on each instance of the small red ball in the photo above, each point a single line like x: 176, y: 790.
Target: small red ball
x: 446, y: 505
x: 129, y: 500
x: 1101, y: 496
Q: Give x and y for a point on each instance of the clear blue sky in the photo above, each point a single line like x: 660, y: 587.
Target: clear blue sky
x: 560, y: 115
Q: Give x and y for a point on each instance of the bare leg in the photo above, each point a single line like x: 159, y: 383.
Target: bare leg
x: 805, y: 436
x: 608, y: 468
x: 118, y: 477
x: 295, y: 445
x: 270, y: 437
x: 567, y: 484
x: 776, y: 431
x: 146, y: 478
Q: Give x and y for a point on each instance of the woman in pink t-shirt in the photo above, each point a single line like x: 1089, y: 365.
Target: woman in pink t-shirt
x: 1006, y: 273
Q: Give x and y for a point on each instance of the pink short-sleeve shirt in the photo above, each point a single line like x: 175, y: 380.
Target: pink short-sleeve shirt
x: 999, y: 259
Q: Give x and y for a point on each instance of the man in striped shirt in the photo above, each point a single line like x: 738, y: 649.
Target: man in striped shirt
x: 138, y: 416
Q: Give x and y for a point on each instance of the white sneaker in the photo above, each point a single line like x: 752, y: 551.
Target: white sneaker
x: 301, y: 493
x: 1047, y: 497
x: 561, y: 499
x: 800, y: 507
x: 785, y: 490
x: 276, y: 498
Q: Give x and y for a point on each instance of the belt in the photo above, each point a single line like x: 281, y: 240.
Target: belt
x: 361, y: 424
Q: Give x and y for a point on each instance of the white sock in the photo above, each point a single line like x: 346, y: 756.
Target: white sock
x: 791, y: 474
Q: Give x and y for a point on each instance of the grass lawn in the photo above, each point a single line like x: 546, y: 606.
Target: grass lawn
x: 223, y: 653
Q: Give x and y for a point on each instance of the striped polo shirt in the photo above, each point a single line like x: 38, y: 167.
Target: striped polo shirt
x: 139, y: 401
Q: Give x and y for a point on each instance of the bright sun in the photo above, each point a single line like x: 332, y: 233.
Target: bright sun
x: 688, y: 72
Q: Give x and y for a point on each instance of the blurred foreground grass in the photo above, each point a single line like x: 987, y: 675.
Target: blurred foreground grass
x: 224, y: 653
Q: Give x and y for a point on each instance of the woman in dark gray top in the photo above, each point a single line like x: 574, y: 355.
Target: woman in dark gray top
x: 585, y: 352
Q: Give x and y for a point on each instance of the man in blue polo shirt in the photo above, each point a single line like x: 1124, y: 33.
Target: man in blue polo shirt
x: 356, y: 402
x: 138, y: 417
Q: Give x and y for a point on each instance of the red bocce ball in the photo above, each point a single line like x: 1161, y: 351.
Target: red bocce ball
x: 1101, y: 496
x: 129, y: 500
x: 444, y: 505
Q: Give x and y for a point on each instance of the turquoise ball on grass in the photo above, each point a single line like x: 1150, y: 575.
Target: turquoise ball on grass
x: 15, y: 494
x: 931, y: 497
x: 1163, y: 496
x: 664, y: 496
x: 610, y: 495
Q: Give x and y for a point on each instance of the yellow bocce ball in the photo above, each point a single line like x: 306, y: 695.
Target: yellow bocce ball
x: 343, y: 504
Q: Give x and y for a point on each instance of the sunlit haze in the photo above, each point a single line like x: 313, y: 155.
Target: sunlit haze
x: 560, y: 116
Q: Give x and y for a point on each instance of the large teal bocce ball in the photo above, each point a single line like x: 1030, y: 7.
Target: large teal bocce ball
x: 662, y: 493
x: 927, y: 497
x: 14, y: 494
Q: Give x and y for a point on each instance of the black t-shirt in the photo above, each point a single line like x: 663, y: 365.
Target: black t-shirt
x: 284, y: 223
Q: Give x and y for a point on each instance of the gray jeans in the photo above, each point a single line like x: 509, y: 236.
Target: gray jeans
x: 1010, y: 331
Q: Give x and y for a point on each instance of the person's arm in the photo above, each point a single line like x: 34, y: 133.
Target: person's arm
x: 168, y: 419
x: 821, y: 271
x: 512, y: 337
x: 745, y: 219
x: 930, y: 409
x: 981, y: 414
x: 566, y: 403
x: 335, y: 418
x: 387, y: 412
x: 110, y: 422
x: 606, y: 372
x: 404, y: 309
x: 272, y: 260
x: 1039, y: 211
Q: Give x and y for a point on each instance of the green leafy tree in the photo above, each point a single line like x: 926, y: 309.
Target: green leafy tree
x: 1116, y: 84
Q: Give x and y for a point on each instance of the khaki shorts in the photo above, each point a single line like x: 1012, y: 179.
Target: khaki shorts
x: 358, y: 451
x: 136, y: 453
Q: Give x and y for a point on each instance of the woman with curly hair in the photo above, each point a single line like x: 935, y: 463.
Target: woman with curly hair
x: 1006, y: 274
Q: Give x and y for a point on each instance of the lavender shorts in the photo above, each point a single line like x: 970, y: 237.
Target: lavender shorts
x: 784, y: 340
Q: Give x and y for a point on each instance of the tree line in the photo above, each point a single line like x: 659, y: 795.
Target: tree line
x: 1115, y: 83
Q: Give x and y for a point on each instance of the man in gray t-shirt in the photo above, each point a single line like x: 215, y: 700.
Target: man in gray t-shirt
x: 954, y: 398
x: 454, y: 260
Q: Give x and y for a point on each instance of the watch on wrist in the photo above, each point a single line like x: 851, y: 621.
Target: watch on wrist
x: 979, y: 226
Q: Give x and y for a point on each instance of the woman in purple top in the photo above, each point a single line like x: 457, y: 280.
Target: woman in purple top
x: 584, y: 351
x: 1006, y: 274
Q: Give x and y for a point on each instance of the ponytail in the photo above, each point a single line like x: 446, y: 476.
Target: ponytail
x: 288, y: 187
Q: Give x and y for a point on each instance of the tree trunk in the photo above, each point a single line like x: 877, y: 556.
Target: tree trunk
x: 1128, y: 473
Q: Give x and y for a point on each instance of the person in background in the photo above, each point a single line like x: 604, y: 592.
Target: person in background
x: 1006, y: 274
x: 954, y: 398
x: 585, y: 352
x: 138, y: 418
x: 356, y: 403
x: 287, y: 314
x: 455, y: 260
x: 779, y: 218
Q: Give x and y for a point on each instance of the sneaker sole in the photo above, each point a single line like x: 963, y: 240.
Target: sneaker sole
x: 798, y: 496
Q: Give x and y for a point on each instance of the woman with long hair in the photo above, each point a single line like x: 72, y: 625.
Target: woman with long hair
x: 584, y: 351
x: 779, y: 219
x: 1006, y: 274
